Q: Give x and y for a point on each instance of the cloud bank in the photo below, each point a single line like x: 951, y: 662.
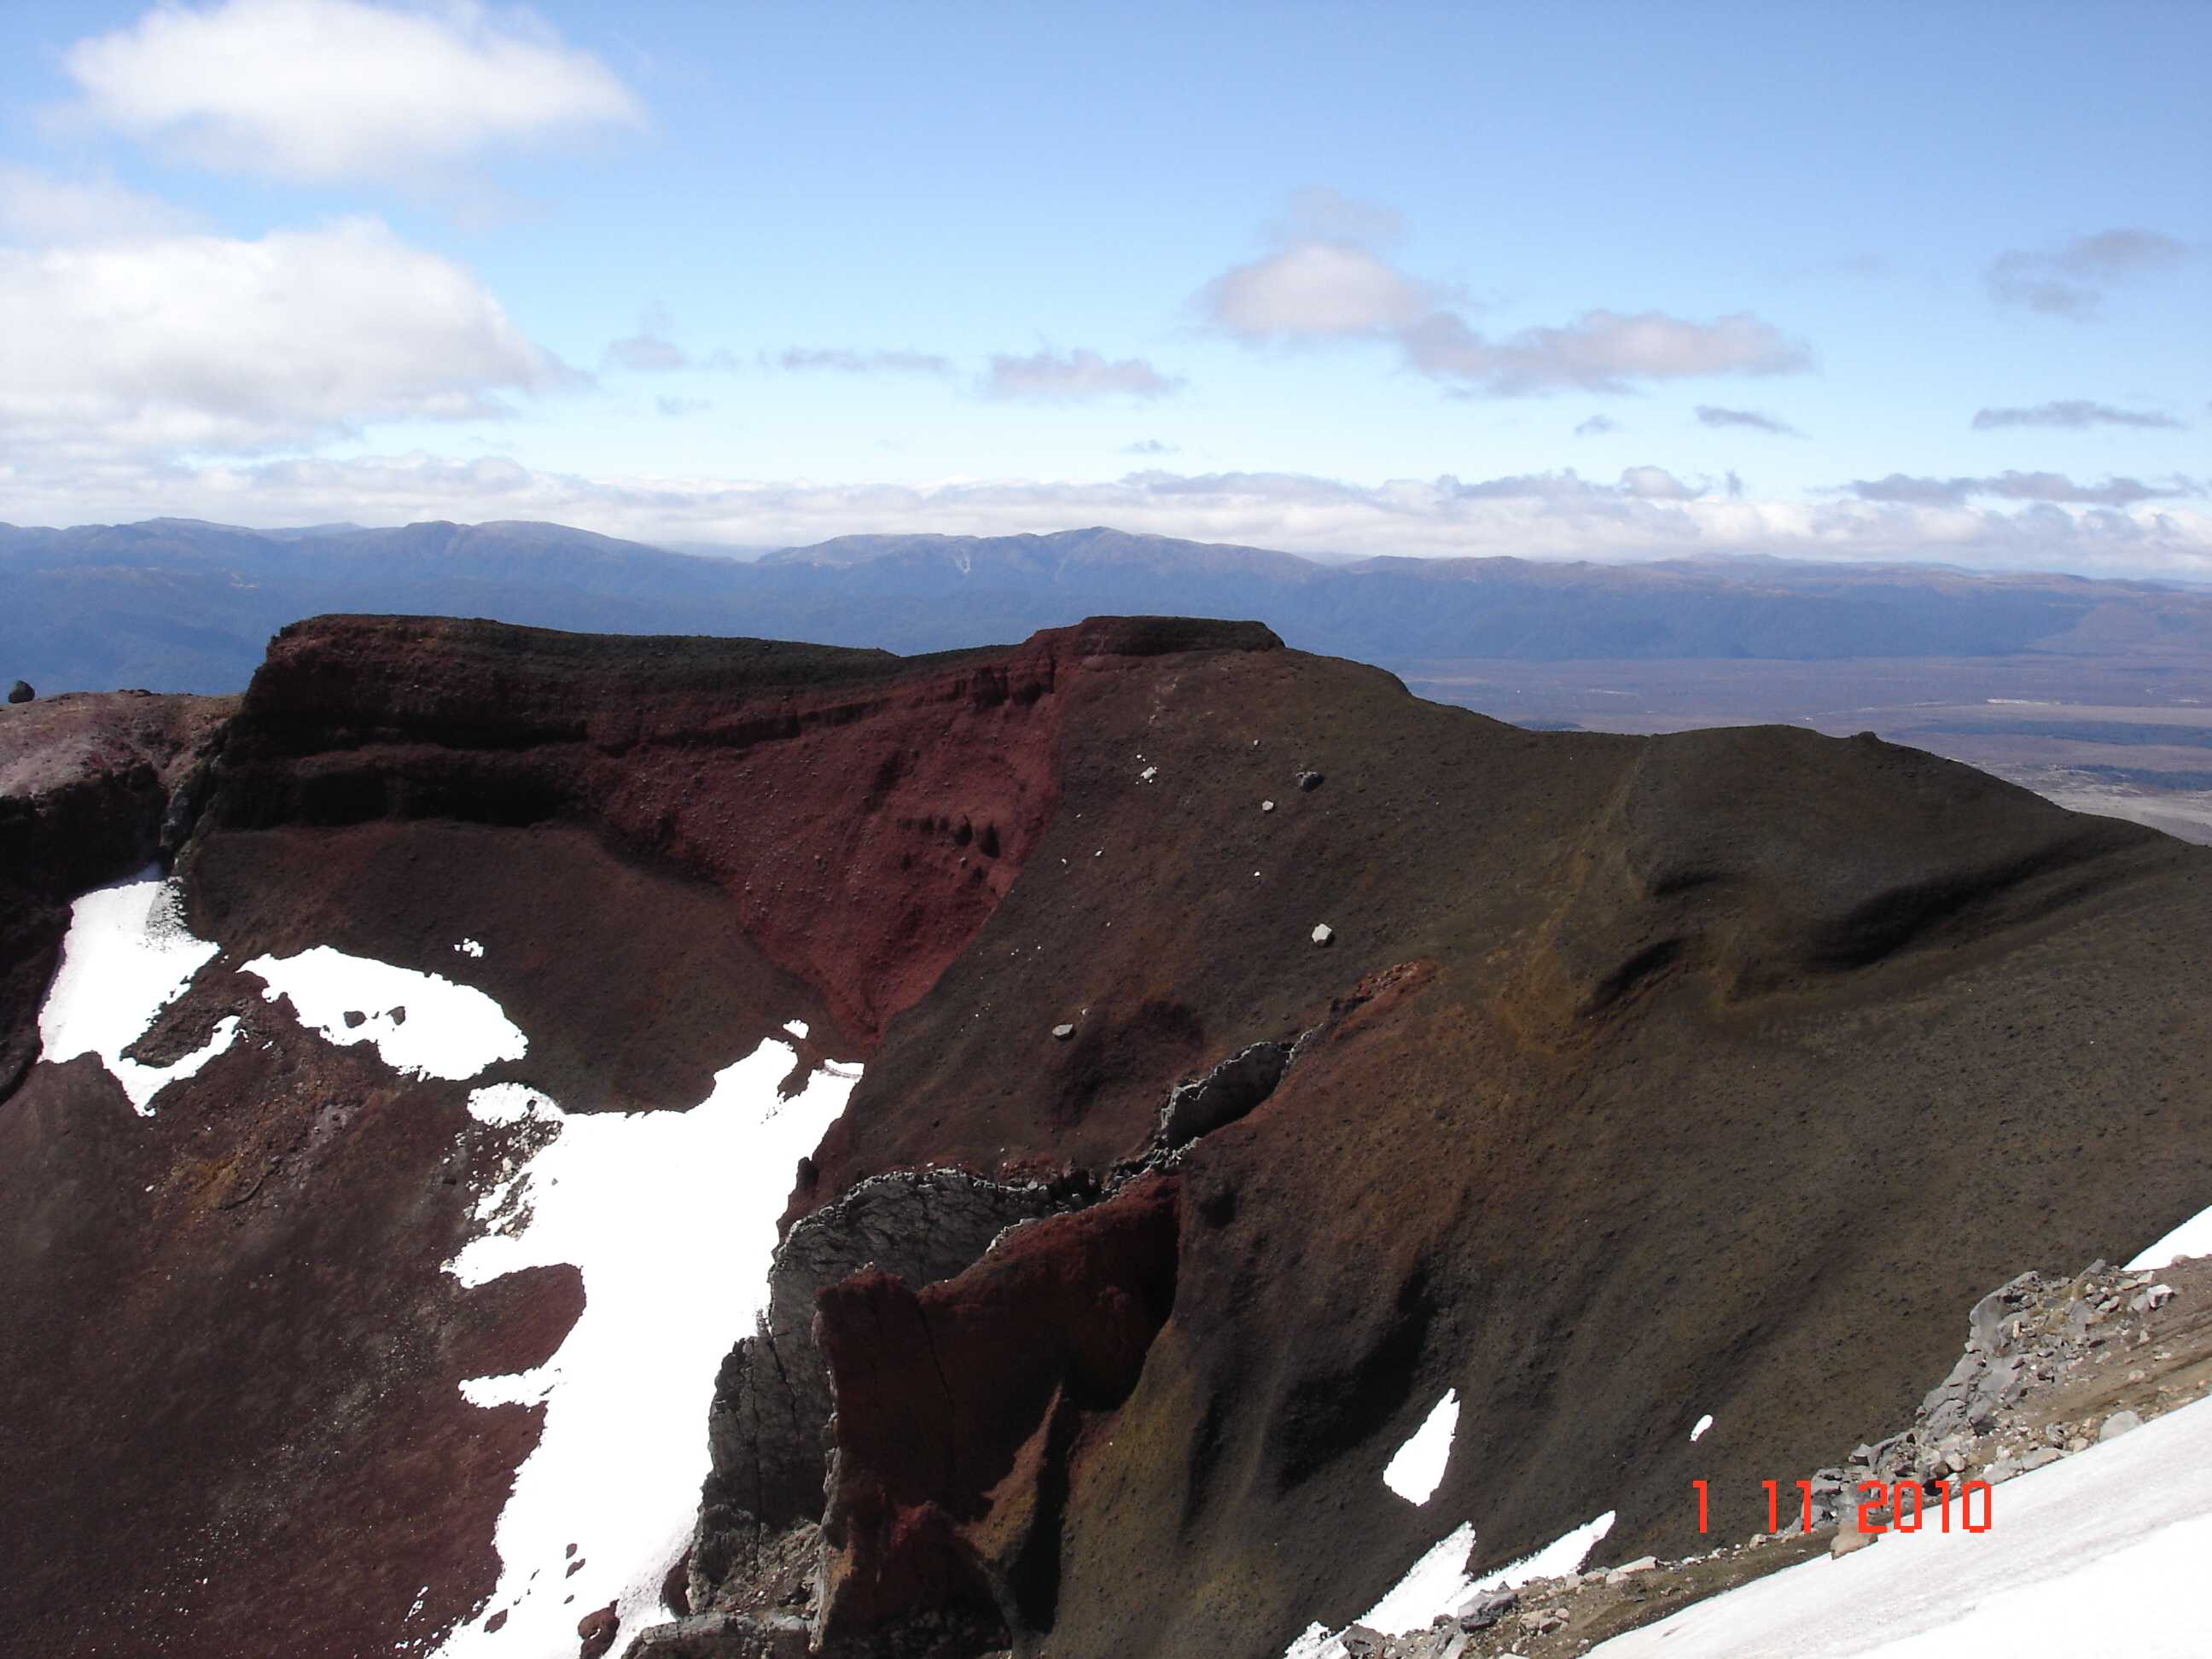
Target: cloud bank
x: 1648, y: 514
x: 2015, y: 486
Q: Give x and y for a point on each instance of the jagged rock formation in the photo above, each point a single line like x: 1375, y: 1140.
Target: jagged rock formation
x: 772, y: 1405
x: 1643, y: 1078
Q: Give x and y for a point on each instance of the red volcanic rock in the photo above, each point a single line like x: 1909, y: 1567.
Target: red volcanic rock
x: 595, y: 1632
x: 957, y: 1406
x: 861, y: 814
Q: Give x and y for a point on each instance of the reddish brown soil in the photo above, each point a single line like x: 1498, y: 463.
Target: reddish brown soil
x: 230, y: 1382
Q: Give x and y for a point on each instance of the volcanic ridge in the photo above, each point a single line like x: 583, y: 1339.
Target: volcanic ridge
x: 1058, y: 1121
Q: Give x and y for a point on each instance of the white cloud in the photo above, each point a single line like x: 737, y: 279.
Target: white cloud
x: 1657, y: 484
x: 324, y: 90
x: 1553, y: 515
x: 1315, y: 290
x: 1600, y: 351
x: 1053, y: 377
x: 1325, y: 282
x: 37, y: 208
x: 213, y: 344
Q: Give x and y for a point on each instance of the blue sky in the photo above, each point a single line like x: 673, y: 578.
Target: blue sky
x: 1582, y: 281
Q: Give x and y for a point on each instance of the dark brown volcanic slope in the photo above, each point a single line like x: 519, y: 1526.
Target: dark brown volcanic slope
x: 1727, y: 1067
x: 1651, y: 1077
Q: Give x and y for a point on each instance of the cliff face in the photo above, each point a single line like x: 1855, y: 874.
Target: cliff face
x: 85, y: 787
x: 859, y: 813
x: 1637, y: 1079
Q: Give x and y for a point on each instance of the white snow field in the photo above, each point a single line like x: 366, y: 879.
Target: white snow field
x: 1418, y: 1467
x: 1438, y: 1583
x: 2102, y: 1552
x: 422, y: 1024
x: 671, y: 1218
x: 127, y: 957
x: 2192, y: 1237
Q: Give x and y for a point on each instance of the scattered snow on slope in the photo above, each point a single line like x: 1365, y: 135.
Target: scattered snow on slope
x: 1703, y: 1424
x: 1438, y: 1582
x: 1418, y: 1469
x: 2096, y: 1554
x: 637, y: 1201
x: 127, y: 957
x: 422, y: 1024
x: 2192, y: 1237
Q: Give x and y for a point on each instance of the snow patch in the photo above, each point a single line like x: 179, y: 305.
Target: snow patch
x: 1699, y: 1432
x: 469, y: 947
x: 1438, y: 1582
x: 422, y: 1024
x: 127, y: 957
x: 2095, y: 1554
x: 2192, y: 1237
x: 629, y: 1199
x: 1418, y: 1467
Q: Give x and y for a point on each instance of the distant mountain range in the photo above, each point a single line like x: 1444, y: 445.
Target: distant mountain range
x: 178, y: 605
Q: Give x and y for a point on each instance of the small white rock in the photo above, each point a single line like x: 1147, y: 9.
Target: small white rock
x: 1266, y: 806
x: 1322, y: 932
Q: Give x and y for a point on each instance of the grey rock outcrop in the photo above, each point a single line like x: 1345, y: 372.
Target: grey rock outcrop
x: 1202, y: 1104
x: 766, y: 1426
x: 723, y: 1636
x: 20, y: 692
